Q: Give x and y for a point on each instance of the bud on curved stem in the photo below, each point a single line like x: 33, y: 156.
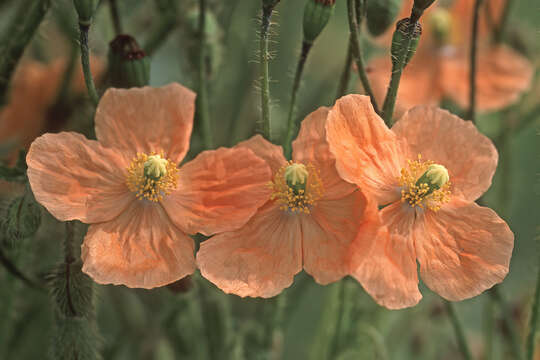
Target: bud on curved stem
x: 128, y: 64
x: 317, y: 13
x: 85, y: 10
x: 381, y: 15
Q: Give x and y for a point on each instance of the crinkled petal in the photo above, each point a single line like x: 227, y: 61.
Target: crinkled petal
x: 329, y: 231
x: 147, y: 120
x: 463, y: 249
x: 76, y: 178
x: 272, y: 154
x: 367, y: 153
x: 140, y: 248
x: 383, y: 258
x: 218, y: 191
x: 258, y: 260
x: 311, y: 147
x: 437, y: 135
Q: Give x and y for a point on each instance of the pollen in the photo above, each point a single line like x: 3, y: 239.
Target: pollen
x: 424, y: 184
x: 151, y: 176
x: 297, y: 187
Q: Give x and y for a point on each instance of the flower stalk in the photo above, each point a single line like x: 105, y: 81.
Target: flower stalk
x: 203, y: 114
x: 533, y: 322
x: 513, y: 337
x: 115, y: 16
x: 473, y: 51
x: 85, y: 61
x: 267, y: 9
x: 346, y: 73
x: 458, y: 329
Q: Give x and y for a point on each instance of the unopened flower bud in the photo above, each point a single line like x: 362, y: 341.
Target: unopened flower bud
x: 381, y: 14
x: 85, y: 10
x: 418, y: 8
x: 317, y: 13
x: 400, y: 40
x: 23, y: 218
x: 128, y: 64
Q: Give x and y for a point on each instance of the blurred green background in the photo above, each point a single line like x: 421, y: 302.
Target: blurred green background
x: 201, y: 322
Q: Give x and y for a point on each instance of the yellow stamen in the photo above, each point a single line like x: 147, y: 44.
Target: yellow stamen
x: 297, y: 187
x: 425, y: 184
x: 151, y: 176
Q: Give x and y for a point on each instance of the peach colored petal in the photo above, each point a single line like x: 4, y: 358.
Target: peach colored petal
x: 140, y: 248
x: 258, y: 260
x: 328, y: 232
x: 502, y: 77
x: 273, y: 154
x: 147, y: 119
x: 76, y: 178
x: 367, y: 153
x: 219, y: 191
x: 463, y: 249
x: 311, y: 147
x: 469, y: 156
x: 383, y: 258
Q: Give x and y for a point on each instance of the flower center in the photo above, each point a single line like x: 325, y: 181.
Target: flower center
x: 424, y: 184
x: 297, y: 187
x: 151, y: 176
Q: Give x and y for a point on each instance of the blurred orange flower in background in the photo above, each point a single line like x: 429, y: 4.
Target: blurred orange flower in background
x: 426, y: 171
x: 128, y: 186
x: 440, y: 68
x: 310, y: 218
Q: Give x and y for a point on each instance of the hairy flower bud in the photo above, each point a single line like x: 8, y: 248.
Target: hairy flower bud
x: 85, y: 10
x: 381, y: 14
x: 317, y: 13
x: 23, y: 218
x: 128, y: 64
x: 400, y: 40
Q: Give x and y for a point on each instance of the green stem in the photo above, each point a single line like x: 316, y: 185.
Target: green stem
x: 458, y: 329
x: 20, y: 34
x: 291, y: 123
x: 202, y: 98
x: 533, y: 322
x: 335, y: 345
x: 357, y: 53
x: 499, y: 35
x: 160, y: 35
x: 473, y: 52
x: 513, y: 337
x: 488, y: 330
x: 276, y: 325
x: 115, y: 15
x: 85, y: 60
x: 346, y: 74
x: 265, y: 81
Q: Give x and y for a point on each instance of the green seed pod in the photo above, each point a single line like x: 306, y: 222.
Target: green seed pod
x: 85, y: 10
x: 381, y: 14
x: 317, y: 13
x: 128, y: 64
x: 399, y: 41
x: 23, y: 218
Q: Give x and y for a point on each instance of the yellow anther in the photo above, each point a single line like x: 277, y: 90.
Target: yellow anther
x: 151, y: 176
x: 296, y: 187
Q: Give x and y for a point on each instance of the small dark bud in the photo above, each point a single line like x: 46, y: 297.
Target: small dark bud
x: 399, y: 41
x: 23, y: 218
x: 85, y: 10
x: 317, y: 13
x: 381, y: 14
x: 128, y: 64
x: 418, y: 8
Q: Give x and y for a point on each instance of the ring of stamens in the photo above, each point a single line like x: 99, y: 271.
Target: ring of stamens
x: 417, y: 190
x: 296, y: 187
x: 151, y: 176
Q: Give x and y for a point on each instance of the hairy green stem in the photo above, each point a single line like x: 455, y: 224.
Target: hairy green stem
x: 115, y: 16
x: 265, y: 80
x: 533, y: 322
x: 458, y: 329
x: 85, y: 60
x: 346, y: 74
x: 473, y: 51
x: 499, y: 35
x: 292, y: 126
x: 20, y: 33
x: 203, y: 114
x: 513, y: 337
x: 357, y: 52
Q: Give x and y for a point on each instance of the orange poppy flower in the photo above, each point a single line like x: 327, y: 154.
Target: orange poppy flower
x: 309, y: 219
x: 426, y: 171
x: 141, y: 205
x: 440, y: 69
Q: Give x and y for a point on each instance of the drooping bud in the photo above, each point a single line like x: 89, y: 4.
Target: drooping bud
x: 436, y: 176
x: 23, y: 218
x: 85, y: 10
x: 128, y: 64
x: 155, y: 167
x: 418, y: 8
x: 440, y: 22
x: 381, y: 14
x: 317, y: 13
x: 399, y: 46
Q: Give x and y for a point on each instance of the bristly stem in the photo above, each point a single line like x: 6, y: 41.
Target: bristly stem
x: 265, y: 81
x: 533, y: 322
x: 291, y: 123
x: 21, y: 32
x: 202, y: 97
x: 85, y: 60
x: 472, y: 73
x: 346, y: 74
x: 357, y: 52
x: 513, y: 337
x: 458, y: 329
x: 499, y: 35
x: 115, y: 15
